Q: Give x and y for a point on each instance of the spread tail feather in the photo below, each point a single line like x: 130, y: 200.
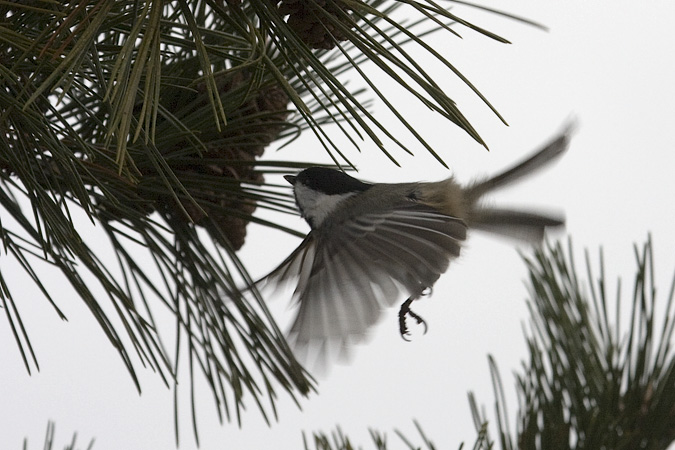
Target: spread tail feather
x: 541, y: 158
x: 525, y: 226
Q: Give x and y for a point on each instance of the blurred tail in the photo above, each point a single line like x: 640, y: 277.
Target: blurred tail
x: 541, y: 158
x: 525, y: 226
x: 528, y: 226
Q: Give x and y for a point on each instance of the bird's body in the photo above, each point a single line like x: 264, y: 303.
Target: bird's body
x: 371, y: 244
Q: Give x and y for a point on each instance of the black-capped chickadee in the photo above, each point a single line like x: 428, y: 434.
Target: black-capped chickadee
x: 371, y: 242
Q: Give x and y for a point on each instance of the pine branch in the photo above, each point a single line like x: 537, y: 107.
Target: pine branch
x: 321, y: 441
x: 150, y: 118
x: 337, y: 440
x: 49, y: 440
x: 589, y: 383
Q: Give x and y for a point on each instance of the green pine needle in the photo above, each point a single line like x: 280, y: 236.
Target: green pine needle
x: 590, y: 382
x: 147, y: 120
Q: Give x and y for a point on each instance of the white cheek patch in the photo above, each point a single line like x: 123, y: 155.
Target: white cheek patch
x: 316, y: 206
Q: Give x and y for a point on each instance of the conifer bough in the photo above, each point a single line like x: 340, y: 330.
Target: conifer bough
x: 150, y: 118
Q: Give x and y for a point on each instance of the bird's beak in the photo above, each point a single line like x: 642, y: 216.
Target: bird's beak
x: 290, y: 178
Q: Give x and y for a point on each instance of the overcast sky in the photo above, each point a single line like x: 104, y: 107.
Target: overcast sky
x: 610, y: 64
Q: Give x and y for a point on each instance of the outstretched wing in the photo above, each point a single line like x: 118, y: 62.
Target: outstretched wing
x: 347, y: 275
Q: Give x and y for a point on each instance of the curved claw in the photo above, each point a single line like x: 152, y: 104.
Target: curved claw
x: 419, y: 320
x: 406, y: 311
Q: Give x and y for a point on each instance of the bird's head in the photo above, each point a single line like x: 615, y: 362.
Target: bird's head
x: 318, y: 191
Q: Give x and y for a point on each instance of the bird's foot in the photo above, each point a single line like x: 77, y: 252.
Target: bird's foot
x: 406, y: 311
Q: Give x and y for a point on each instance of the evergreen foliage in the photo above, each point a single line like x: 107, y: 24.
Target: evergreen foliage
x: 148, y: 118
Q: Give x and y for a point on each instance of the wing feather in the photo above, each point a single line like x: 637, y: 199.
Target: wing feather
x: 348, y: 274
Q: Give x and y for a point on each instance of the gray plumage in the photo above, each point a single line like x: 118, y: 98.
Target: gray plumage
x: 373, y: 244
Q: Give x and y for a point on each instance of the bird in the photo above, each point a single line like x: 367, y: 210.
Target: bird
x: 372, y: 244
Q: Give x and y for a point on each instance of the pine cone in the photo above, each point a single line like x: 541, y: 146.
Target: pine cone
x: 311, y: 23
x: 251, y: 128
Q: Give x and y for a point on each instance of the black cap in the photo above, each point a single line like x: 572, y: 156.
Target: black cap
x: 329, y: 181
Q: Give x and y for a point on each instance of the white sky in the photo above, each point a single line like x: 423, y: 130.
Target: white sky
x: 608, y: 63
